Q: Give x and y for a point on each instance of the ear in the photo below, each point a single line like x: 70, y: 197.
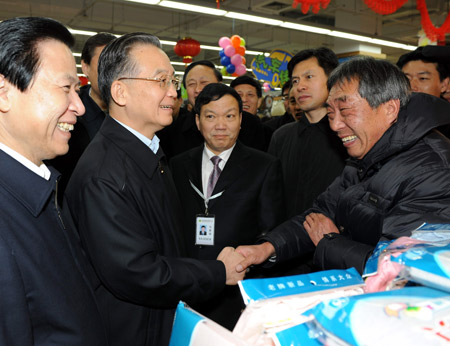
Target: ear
x: 259, y: 102
x: 444, y: 85
x: 5, y: 100
x: 392, y: 108
x: 85, y: 68
x: 197, y: 121
x: 119, y: 93
x: 240, y: 119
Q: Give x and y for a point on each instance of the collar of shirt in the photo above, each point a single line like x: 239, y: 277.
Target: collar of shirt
x: 208, y: 166
x: 153, y: 143
x: 41, y: 170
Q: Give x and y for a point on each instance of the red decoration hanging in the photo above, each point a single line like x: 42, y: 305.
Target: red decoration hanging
x: 433, y: 33
x: 187, y: 48
x: 314, y: 3
x: 218, y: 3
x: 384, y: 6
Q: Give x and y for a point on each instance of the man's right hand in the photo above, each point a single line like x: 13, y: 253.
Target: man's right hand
x: 231, y: 259
x: 254, y: 254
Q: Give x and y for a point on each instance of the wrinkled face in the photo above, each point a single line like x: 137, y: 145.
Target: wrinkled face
x: 148, y: 104
x: 40, y: 118
x: 197, y: 78
x: 90, y: 70
x: 424, y: 77
x: 219, y: 122
x: 309, y: 83
x: 294, y: 108
x: 249, y: 96
x: 354, y: 121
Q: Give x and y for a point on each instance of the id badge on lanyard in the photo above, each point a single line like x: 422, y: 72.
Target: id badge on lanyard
x: 205, y: 223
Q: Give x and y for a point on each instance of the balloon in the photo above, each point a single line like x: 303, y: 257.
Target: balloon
x: 240, y: 51
x: 229, y: 51
x: 266, y: 87
x: 236, y: 60
x: 242, y: 42
x: 224, y: 71
x: 222, y: 53
x: 235, y: 74
x: 230, y: 68
x: 241, y: 69
x: 225, y: 61
x: 244, y: 61
x: 224, y: 42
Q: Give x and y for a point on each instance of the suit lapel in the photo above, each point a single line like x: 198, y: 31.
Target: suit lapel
x: 234, y: 168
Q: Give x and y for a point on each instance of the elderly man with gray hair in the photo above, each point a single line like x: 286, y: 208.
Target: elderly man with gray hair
x: 396, y: 179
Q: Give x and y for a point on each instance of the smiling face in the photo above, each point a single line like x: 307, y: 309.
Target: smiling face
x: 354, y: 121
x: 424, y: 77
x: 249, y: 96
x: 36, y: 122
x: 197, y: 78
x: 309, y: 83
x: 219, y: 122
x: 146, y: 106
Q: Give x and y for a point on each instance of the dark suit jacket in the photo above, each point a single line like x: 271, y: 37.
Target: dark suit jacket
x: 123, y: 200
x: 45, y: 295
x: 251, y: 205
x: 183, y: 134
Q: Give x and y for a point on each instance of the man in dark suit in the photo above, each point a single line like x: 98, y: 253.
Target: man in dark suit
x: 183, y: 134
x: 45, y: 296
x: 246, y: 201
x: 124, y: 202
x: 89, y: 123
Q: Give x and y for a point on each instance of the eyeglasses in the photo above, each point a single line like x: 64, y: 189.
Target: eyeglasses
x: 164, y: 82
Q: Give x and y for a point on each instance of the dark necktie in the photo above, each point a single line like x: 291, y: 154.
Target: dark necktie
x: 214, y: 175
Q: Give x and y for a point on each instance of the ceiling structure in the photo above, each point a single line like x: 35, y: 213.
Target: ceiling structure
x: 120, y: 16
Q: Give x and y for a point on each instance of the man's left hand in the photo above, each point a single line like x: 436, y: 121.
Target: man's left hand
x: 317, y: 225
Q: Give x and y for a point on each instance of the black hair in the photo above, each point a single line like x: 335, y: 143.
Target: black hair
x: 286, y: 86
x: 99, y: 40
x: 214, y: 92
x: 115, y: 60
x: 379, y: 80
x: 203, y: 63
x: 418, y: 54
x: 247, y: 80
x: 19, y: 54
x: 325, y: 58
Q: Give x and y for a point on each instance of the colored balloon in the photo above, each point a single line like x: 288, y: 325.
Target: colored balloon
x: 225, y: 61
x: 222, y: 53
x: 240, y: 70
x: 244, y: 61
x: 224, y: 42
x: 236, y: 41
x: 229, y: 51
x: 224, y: 71
x: 240, y: 51
x: 231, y: 68
x: 242, y: 42
x: 236, y: 60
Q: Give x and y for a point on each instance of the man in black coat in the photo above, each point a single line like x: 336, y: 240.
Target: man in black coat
x: 396, y: 179
x: 123, y: 200
x: 246, y: 202
x: 45, y: 294
x: 183, y: 134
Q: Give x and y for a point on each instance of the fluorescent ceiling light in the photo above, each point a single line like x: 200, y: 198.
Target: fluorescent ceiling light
x: 301, y: 27
x: 194, y: 8
x: 391, y: 44
x: 147, y: 2
x: 169, y: 43
x: 349, y: 36
x: 217, y: 48
x: 82, y: 32
x: 76, y: 54
x: 250, y: 18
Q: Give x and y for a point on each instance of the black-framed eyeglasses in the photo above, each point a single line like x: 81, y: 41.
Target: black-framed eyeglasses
x: 164, y: 82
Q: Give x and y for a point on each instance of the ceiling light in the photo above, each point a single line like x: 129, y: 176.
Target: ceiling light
x: 392, y: 44
x: 82, y: 32
x: 301, y: 27
x: 147, y: 2
x: 349, y: 36
x: 194, y: 8
x: 169, y: 43
x: 249, y: 18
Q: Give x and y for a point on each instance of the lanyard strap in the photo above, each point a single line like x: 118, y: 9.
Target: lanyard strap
x: 205, y: 199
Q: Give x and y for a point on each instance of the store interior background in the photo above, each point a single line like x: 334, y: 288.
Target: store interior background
x: 172, y: 24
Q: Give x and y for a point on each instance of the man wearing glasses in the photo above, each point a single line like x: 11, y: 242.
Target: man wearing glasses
x: 124, y: 202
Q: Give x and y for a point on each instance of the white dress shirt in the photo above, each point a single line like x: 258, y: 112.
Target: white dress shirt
x: 208, y: 166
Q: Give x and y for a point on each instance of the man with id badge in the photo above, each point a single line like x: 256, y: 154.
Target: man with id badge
x: 230, y: 193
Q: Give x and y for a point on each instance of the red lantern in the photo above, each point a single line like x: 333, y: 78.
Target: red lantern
x: 187, y: 48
